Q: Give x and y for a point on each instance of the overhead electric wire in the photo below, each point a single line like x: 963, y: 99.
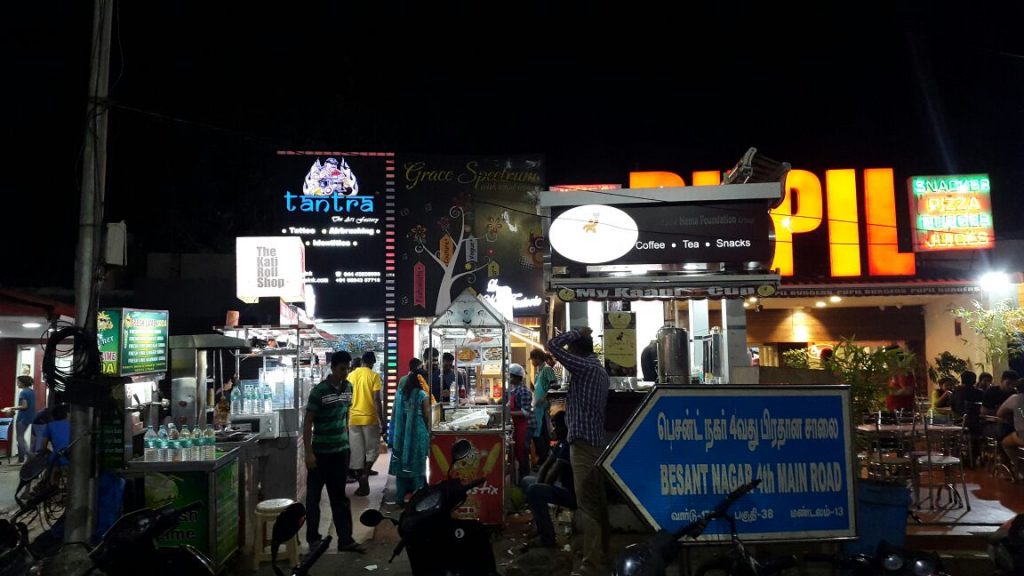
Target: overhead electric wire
x: 270, y: 142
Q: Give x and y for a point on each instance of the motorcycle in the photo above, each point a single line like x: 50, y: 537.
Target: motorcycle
x: 131, y: 542
x: 651, y: 558
x: 889, y: 560
x: 286, y: 527
x: 16, y: 556
x: 130, y: 545
x: 436, y: 543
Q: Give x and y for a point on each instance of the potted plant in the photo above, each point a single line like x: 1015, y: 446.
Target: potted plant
x: 866, y: 370
x: 999, y: 327
x: 945, y: 365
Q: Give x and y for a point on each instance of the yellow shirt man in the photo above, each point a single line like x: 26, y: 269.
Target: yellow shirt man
x: 366, y: 386
x: 364, y: 421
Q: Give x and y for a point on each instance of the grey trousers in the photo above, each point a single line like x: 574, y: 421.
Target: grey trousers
x: 592, y: 505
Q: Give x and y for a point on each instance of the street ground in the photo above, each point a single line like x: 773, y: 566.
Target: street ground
x: 508, y: 543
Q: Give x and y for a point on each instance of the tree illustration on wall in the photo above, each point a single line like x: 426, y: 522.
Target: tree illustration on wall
x: 448, y: 254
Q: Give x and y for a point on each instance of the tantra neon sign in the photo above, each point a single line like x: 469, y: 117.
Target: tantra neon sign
x: 806, y: 202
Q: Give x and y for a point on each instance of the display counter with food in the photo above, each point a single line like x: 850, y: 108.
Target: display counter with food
x: 476, y: 335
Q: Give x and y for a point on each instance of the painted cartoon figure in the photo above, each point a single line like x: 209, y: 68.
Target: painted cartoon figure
x: 479, y: 463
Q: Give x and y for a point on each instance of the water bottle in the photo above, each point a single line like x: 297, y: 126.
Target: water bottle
x: 152, y: 442
x: 236, y: 401
x: 210, y: 439
x: 163, y: 438
x: 185, y: 440
x: 250, y: 399
x: 268, y: 399
x: 173, y: 443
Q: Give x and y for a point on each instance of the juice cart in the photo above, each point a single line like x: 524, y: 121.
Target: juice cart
x: 473, y: 331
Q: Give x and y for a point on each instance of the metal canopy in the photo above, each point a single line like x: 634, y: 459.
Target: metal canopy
x: 207, y: 342
x: 771, y: 191
x: 470, y: 310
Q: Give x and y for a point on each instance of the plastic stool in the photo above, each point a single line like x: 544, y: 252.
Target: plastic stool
x: 267, y: 512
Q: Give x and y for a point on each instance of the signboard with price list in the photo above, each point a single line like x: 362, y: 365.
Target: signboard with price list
x: 687, y: 447
x: 132, y: 342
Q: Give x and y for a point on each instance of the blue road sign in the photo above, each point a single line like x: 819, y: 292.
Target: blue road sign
x: 687, y: 447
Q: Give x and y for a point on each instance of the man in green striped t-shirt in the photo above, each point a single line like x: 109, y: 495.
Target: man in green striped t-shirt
x: 325, y: 437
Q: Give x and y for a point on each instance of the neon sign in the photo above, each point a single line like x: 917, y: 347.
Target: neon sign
x: 807, y: 202
x: 327, y: 204
x: 951, y: 212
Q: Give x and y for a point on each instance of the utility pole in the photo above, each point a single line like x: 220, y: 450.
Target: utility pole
x: 82, y: 494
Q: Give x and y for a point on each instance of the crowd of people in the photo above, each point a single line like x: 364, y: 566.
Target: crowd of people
x: 345, y: 414
x: 976, y: 396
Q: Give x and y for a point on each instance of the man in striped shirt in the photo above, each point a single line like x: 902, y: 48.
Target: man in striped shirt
x: 585, y: 406
x: 325, y: 438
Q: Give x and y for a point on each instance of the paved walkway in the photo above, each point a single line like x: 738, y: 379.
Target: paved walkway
x: 8, y: 484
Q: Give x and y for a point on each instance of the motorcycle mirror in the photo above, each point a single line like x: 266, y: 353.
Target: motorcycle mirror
x: 371, y: 517
x: 460, y: 450
x: 287, y: 525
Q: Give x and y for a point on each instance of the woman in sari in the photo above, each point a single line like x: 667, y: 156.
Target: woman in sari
x: 411, y: 434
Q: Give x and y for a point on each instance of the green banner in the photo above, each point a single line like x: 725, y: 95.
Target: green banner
x: 108, y: 332
x: 180, y: 489
x: 226, y: 480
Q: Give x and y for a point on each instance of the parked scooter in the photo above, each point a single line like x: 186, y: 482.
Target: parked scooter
x: 651, y: 558
x: 429, y: 533
x: 286, y: 527
x: 889, y: 560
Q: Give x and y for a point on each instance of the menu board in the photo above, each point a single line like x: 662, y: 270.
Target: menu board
x: 132, y: 341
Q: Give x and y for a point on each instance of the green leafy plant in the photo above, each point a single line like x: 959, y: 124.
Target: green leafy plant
x: 867, y: 370
x: 999, y: 326
x: 797, y: 358
x: 945, y: 365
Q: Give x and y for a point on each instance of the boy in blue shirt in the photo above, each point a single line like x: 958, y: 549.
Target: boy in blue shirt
x: 26, y: 410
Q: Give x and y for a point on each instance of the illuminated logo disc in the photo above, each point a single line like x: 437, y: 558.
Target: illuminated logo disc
x: 593, y: 234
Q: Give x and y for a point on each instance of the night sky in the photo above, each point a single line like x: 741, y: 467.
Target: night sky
x: 204, y: 93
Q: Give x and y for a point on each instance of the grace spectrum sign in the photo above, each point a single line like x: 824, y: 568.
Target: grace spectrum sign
x: 943, y: 217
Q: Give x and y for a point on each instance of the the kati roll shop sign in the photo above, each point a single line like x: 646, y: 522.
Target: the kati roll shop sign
x: 688, y: 447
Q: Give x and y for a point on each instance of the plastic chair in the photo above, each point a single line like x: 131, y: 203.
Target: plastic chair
x: 267, y: 512
x: 5, y: 435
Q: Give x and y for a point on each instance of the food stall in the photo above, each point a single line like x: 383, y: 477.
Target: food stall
x: 213, y: 529
x: 282, y: 365
x: 478, y: 336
